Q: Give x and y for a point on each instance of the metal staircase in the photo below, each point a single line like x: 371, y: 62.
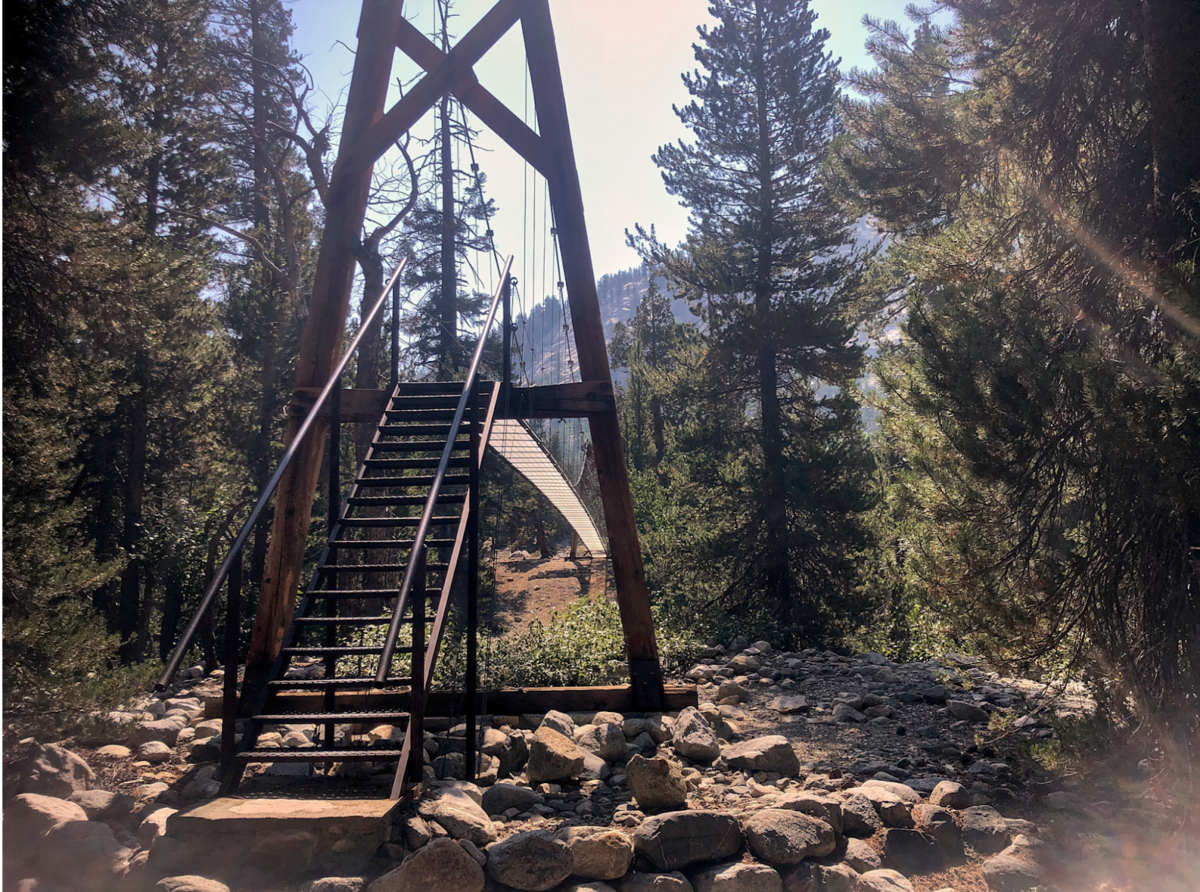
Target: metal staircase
x: 423, y: 454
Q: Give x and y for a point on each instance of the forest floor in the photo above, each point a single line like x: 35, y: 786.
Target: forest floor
x: 530, y: 587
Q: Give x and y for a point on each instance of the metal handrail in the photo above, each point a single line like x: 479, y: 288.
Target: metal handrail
x: 235, y: 552
x: 389, y: 645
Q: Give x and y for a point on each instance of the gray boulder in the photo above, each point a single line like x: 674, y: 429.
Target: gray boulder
x: 533, y: 861
x: 1012, y: 870
x: 162, y: 730
x: 885, y: 880
x: 771, y: 753
x: 693, y: 737
x: 560, y: 722
x: 983, y: 829
x: 656, y: 882
x: 679, y: 839
x: 598, y: 853
x: 949, y: 794
x: 499, y: 798
x: 154, y: 751
x: 52, y: 770
x: 820, y: 807
x: 153, y: 825
x: 859, y: 817
x: 911, y: 851
x: 456, y: 812
x: 740, y: 877
x: 606, y: 740
x: 189, y: 884
x: 657, y: 784
x: 861, y: 856
x: 789, y: 704
x: 441, y: 866
x: 780, y: 836
x: 552, y: 757
x: 938, y: 823
x: 513, y: 756
x: 966, y: 712
x: 101, y: 805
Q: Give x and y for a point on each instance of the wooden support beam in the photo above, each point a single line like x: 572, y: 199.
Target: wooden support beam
x: 566, y: 198
x: 490, y: 110
x: 368, y: 147
x: 321, y: 340
x: 358, y: 405
x: 507, y: 701
x: 578, y: 399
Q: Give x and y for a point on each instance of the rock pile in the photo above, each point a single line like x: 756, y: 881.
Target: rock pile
x: 718, y: 798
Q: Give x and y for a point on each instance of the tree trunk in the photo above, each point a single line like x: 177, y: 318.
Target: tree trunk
x: 134, y: 498
x: 539, y: 531
x: 774, y: 512
x: 446, y: 311
x: 1173, y: 65
x: 172, y: 609
x: 366, y: 374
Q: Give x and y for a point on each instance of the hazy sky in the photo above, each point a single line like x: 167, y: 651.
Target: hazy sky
x: 621, y: 63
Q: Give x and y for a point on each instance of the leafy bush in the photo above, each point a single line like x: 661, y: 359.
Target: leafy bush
x: 581, y: 645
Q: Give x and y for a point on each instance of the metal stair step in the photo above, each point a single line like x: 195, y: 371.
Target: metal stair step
x: 461, y: 461
x: 426, y: 387
x: 315, y: 718
x: 336, y: 651
x: 319, y: 755
x: 347, y: 683
x: 450, y: 498
x: 424, y: 430
x: 373, y: 568
x: 417, y: 479
x: 388, y: 543
x: 399, y: 464
x: 387, y: 522
x: 356, y: 621
x: 419, y: 445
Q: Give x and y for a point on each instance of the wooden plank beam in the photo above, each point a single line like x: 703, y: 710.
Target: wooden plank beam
x: 567, y: 200
x: 367, y: 149
x: 578, y: 399
x: 358, y: 404
x: 506, y: 701
x: 321, y: 340
x: 490, y: 110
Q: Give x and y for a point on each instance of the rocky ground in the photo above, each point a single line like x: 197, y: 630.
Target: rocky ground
x: 800, y: 772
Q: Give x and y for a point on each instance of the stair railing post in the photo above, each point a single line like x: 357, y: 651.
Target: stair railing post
x: 395, y: 334
x: 335, y: 455
x: 472, y: 681
x: 229, y: 703
x: 506, y: 340
x: 416, y: 720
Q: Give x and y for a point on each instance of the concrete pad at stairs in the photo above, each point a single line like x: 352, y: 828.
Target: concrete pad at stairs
x: 231, y: 815
x: 256, y: 833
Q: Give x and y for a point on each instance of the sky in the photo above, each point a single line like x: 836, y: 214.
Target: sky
x: 621, y: 63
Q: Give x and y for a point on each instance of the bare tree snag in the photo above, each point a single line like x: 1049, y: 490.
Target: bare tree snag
x: 322, y: 337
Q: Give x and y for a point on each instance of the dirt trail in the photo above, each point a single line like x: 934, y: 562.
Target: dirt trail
x: 530, y: 587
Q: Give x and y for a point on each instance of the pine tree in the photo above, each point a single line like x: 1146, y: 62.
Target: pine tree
x: 767, y: 263
x: 1047, y: 399
x: 644, y: 349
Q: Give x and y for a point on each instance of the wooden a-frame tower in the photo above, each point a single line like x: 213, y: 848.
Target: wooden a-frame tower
x: 368, y: 132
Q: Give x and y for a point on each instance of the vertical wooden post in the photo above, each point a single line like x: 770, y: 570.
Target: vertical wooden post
x: 322, y: 336
x: 233, y: 628
x: 566, y: 197
x: 472, y: 673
